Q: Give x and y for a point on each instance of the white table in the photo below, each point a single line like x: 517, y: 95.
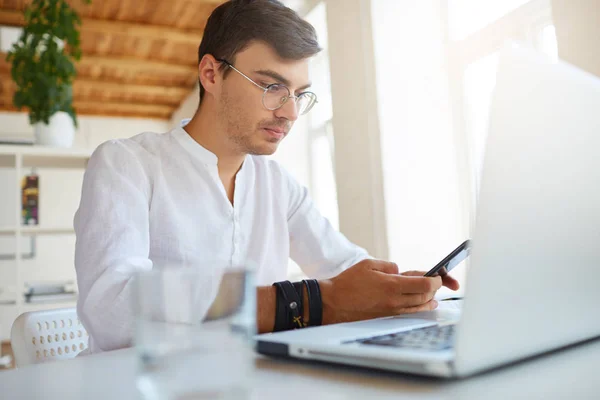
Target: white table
x: 568, y: 374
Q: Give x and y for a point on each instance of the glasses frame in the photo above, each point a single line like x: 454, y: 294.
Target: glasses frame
x: 266, y: 89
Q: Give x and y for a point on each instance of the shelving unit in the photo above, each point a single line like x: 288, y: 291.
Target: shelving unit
x: 23, y: 159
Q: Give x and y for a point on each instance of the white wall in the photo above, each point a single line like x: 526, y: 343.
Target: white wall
x: 187, y: 109
x: 577, y: 31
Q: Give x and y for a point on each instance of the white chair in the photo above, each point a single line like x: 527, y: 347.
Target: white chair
x: 49, y: 335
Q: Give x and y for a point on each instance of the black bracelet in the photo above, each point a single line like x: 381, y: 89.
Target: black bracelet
x: 291, y: 301
x: 315, y: 303
x: 281, y: 314
x: 299, y: 286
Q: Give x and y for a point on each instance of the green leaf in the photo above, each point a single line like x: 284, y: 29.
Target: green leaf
x: 42, y: 71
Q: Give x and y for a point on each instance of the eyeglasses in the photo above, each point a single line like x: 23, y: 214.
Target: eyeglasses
x: 276, y: 95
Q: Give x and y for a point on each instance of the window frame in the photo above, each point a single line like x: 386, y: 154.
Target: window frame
x: 524, y: 24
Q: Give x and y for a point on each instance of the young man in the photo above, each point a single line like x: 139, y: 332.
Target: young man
x: 203, y: 195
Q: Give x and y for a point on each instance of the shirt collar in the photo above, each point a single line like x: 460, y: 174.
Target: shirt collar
x: 204, y: 155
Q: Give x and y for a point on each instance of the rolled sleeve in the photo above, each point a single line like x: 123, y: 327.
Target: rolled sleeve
x: 319, y: 249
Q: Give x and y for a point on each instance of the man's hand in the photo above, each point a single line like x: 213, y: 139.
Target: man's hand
x: 373, y: 288
x: 447, y: 280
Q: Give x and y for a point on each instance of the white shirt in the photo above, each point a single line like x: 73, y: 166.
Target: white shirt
x: 157, y: 199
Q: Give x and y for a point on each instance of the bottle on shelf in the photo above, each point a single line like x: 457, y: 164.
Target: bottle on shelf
x: 30, y: 200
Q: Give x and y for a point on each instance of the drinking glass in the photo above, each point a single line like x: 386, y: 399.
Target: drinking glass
x: 194, y: 332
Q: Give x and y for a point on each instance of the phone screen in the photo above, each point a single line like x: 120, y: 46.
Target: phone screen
x: 457, y: 256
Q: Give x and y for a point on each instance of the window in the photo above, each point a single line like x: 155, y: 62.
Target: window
x: 548, y: 42
x: 475, y: 51
x: 318, y: 132
x: 430, y: 55
x: 319, y: 125
x: 466, y: 17
x: 323, y: 177
x: 477, y: 30
x: 424, y: 221
x: 478, y: 85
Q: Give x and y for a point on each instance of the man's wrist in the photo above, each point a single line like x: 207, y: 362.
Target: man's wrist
x: 326, y: 287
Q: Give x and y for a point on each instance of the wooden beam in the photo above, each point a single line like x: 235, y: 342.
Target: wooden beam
x: 144, y: 31
x: 89, y: 90
x: 184, y: 74
x: 113, y: 92
x: 112, y: 110
x: 155, y: 94
x: 135, y: 64
x: 111, y: 27
x: 119, y: 109
x: 11, y: 18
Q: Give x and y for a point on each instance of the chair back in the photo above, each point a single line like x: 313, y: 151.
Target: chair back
x: 48, y: 335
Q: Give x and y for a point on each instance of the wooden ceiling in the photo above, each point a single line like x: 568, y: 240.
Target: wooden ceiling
x: 139, y: 56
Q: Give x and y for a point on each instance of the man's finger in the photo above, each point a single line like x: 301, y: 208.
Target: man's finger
x: 413, y: 273
x: 450, y: 282
x: 447, y: 280
x: 414, y: 284
x: 410, y: 300
x: 429, y: 306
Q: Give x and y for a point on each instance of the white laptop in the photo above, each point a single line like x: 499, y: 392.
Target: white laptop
x: 535, y: 256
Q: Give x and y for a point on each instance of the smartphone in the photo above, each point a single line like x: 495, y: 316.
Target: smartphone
x: 457, y: 256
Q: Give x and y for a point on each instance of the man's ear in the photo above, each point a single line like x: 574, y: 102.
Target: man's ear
x: 208, y: 73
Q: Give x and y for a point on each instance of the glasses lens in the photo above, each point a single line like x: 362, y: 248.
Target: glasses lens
x: 305, y: 102
x: 275, y: 96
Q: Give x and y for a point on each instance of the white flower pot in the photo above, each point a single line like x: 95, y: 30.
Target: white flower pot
x: 60, y: 132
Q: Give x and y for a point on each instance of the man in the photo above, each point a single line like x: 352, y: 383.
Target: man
x: 204, y: 195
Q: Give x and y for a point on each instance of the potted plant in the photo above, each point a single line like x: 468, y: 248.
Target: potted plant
x: 43, y: 70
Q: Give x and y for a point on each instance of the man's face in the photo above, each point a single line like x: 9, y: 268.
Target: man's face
x: 250, y: 127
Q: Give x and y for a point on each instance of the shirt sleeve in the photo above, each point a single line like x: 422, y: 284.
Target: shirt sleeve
x: 319, y: 249
x: 112, y: 242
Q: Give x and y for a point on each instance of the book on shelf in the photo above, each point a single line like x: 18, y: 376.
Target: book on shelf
x: 30, y: 195
x: 49, y: 288
x: 44, y: 288
x: 51, y: 298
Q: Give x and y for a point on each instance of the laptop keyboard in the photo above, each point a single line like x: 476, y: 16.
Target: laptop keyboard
x: 433, y: 338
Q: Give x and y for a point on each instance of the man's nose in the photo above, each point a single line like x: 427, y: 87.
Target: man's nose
x: 289, y: 110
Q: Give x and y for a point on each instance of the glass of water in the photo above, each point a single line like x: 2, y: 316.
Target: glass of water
x: 194, y: 332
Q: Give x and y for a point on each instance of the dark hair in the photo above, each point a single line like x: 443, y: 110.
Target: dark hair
x: 236, y: 23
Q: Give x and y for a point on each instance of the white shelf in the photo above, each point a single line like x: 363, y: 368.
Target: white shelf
x: 43, y: 151
x: 4, y: 230
x: 25, y: 307
x: 36, y: 230
x: 41, y: 156
x: 42, y: 230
